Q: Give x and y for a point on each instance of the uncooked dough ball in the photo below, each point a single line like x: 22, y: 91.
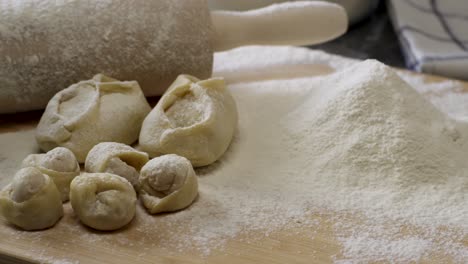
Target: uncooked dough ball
x: 117, y: 158
x: 31, y: 201
x: 59, y: 164
x: 103, y: 201
x: 89, y: 112
x: 195, y: 119
x: 168, y: 183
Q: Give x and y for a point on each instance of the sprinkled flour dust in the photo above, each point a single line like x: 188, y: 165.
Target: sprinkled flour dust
x: 358, y: 151
x: 14, y: 148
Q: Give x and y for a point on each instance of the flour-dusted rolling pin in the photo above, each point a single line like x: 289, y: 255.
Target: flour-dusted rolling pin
x: 47, y: 45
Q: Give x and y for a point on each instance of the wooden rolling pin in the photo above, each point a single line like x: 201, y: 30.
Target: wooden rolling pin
x: 47, y: 45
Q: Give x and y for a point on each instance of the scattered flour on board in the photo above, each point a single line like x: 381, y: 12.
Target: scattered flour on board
x: 14, y: 147
x: 359, y: 148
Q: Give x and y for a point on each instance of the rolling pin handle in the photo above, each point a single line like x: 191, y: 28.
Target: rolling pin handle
x: 292, y: 23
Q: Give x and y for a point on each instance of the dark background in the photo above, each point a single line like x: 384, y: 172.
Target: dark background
x: 372, y: 37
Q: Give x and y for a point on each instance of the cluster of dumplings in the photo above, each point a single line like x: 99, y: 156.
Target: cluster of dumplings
x: 94, y: 122
x: 33, y: 200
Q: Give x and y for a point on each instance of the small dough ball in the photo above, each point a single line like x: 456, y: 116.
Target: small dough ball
x: 26, y: 184
x: 31, y: 201
x: 89, y: 112
x: 168, y: 183
x: 59, y: 164
x: 103, y: 201
x: 194, y: 119
x: 60, y: 159
x: 117, y: 158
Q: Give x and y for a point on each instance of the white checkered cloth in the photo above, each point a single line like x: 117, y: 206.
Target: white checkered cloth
x: 433, y: 35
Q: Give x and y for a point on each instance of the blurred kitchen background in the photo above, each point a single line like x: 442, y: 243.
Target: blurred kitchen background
x: 428, y: 36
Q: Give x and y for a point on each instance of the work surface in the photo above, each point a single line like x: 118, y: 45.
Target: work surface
x: 71, y: 242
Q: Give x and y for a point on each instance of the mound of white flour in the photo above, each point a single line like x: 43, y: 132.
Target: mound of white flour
x: 360, y: 146
x: 364, y: 139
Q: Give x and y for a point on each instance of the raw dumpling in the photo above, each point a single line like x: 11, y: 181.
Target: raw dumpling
x: 89, y: 112
x: 59, y: 164
x: 118, y: 159
x: 168, y: 183
x: 103, y: 201
x: 31, y: 201
x: 195, y: 119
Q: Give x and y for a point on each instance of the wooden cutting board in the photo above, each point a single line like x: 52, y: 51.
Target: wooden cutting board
x: 70, y: 242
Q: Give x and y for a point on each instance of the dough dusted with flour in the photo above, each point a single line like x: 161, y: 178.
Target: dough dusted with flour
x: 89, y: 112
x: 59, y: 164
x: 103, y: 201
x: 168, y: 183
x: 118, y: 159
x: 31, y: 201
x: 195, y: 119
